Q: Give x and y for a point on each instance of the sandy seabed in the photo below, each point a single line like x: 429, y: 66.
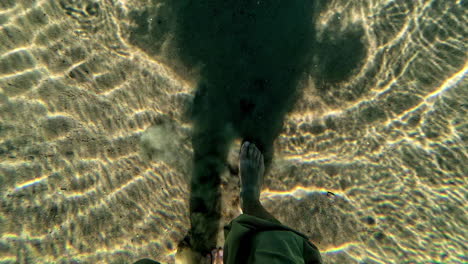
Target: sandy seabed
x: 95, y: 149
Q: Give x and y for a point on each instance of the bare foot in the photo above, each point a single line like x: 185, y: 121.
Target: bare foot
x: 216, y: 256
x: 252, y: 168
x: 186, y: 255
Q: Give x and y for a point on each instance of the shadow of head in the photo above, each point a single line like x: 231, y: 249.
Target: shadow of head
x: 250, y: 58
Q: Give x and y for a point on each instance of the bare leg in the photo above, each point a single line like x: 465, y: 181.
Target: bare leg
x: 252, y: 169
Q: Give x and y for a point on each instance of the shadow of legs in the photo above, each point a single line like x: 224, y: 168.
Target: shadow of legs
x: 210, y: 151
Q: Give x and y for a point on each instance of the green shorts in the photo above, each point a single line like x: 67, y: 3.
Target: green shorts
x: 250, y: 239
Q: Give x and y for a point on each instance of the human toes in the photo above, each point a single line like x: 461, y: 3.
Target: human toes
x: 219, y: 257
x: 260, y: 157
x: 258, y: 154
x: 255, y: 153
x: 244, y: 149
x: 252, y: 151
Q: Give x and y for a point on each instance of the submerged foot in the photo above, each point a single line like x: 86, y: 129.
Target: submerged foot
x: 188, y: 256
x: 216, y: 256
x: 252, y: 168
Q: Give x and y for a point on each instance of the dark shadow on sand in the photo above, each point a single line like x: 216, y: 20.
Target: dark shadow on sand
x: 251, y: 57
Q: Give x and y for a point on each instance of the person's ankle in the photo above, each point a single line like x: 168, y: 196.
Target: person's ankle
x: 249, y: 198
x: 250, y: 194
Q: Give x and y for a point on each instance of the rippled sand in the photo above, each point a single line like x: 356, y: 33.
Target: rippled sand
x: 95, y: 150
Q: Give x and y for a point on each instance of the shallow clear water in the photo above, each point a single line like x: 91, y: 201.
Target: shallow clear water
x: 104, y: 103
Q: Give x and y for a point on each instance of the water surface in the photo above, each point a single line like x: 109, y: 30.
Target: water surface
x: 105, y: 104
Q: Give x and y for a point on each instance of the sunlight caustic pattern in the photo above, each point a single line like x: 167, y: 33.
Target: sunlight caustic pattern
x: 95, y: 151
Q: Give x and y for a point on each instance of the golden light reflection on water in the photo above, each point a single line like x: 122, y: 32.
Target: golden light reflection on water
x: 298, y: 192
x: 378, y: 178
